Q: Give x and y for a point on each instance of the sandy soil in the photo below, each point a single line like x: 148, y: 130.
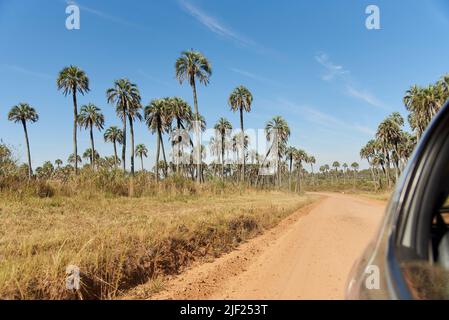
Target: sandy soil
x: 307, y: 256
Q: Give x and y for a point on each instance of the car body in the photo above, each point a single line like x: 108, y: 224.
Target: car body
x: 409, y: 257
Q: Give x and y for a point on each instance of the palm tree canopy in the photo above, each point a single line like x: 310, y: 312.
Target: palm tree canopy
x: 277, y: 131
x: 156, y: 115
x: 240, y: 99
x: 126, y: 96
x: 23, y: 112
x: 113, y: 134
x: 91, y: 116
x: 180, y: 110
x: 141, y: 150
x: 72, y: 79
x: 88, y: 154
x: 193, y: 65
x: 223, y: 126
x: 71, y: 159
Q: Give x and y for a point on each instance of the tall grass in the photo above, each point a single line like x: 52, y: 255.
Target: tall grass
x: 122, y: 231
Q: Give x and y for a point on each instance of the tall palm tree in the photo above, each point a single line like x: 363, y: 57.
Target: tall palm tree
x: 73, y: 80
x: 277, y: 132
x: 71, y: 159
x: 223, y: 128
x: 345, y: 169
x: 192, y: 66
x: 355, y: 167
x: 181, y: 112
x: 290, y: 154
x: 155, y: 118
x: 114, y: 134
x: 90, y: 116
x: 311, y: 160
x: 126, y: 98
x: 58, y: 163
x: 299, y: 156
x: 22, y: 113
x: 141, y: 151
x: 133, y: 114
x: 241, y: 100
x: 92, y: 156
x: 336, y: 166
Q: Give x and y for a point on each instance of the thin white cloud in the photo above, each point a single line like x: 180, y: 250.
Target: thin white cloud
x: 214, y: 25
x: 332, y: 70
x: 338, y: 72
x: 254, y: 76
x: 224, y: 31
x: 323, y: 119
x: 364, y: 96
x: 27, y: 72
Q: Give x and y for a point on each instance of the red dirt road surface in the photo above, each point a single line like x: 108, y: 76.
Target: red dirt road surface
x: 307, y: 256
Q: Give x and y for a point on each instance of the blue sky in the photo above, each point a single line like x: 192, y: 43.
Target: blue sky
x: 313, y: 62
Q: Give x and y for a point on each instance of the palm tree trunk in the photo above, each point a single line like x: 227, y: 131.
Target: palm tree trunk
x: 115, y: 154
x: 197, y: 132
x: 178, y: 149
x: 290, y: 175
x: 243, y: 145
x: 92, y: 148
x: 124, y: 141
x: 313, y: 177
x: 163, y: 154
x: 141, y: 160
x: 158, y: 149
x: 131, y: 130
x: 75, y: 125
x: 30, y: 170
x: 222, y: 155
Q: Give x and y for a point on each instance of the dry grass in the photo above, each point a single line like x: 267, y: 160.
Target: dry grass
x: 120, y: 242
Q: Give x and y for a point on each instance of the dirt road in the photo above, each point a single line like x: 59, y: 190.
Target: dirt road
x: 307, y: 256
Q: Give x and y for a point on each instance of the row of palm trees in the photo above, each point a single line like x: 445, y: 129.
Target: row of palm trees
x: 166, y: 115
x: 423, y: 103
x: 392, y: 146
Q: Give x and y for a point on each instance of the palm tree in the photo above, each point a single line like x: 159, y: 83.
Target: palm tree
x: 73, y: 80
x: 277, y: 132
x: 90, y: 116
x: 181, y: 112
x: 336, y: 166
x: 141, y: 151
x: 155, y: 118
x: 311, y: 160
x: 114, y: 135
x: 126, y: 98
x: 223, y: 128
x: 71, y: 159
x: 241, y: 100
x: 299, y: 156
x: 192, y: 65
x: 355, y: 167
x: 58, y: 163
x: 22, y: 113
x: 290, y: 154
x: 345, y: 169
x: 133, y: 114
x: 91, y: 155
